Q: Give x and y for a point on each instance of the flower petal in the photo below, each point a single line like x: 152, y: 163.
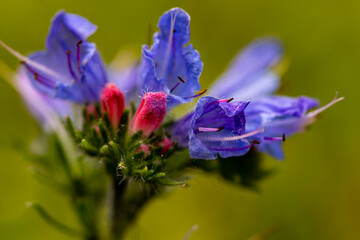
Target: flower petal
x: 249, y: 74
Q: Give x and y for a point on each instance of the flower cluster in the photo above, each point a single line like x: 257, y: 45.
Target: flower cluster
x: 125, y: 122
x: 241, y: 113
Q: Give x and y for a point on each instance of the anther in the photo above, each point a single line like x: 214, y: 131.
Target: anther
x: 177, y: 84
x: 230, y: 99
x: 182, y: 80
x: 283, y: 137
x: 68, y: 53
x: 197, y: 95
x: 255, y: 142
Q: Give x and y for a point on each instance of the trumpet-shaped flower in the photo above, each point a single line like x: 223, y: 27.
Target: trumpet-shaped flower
x: 282, y: 117
x: 70, y: 68
x: 217, y: 126
x: 170, y: 65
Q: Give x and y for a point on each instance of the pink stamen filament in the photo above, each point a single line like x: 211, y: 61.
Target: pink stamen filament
x: 68, y: 53
x: 226, y: 100
x: 208, y: 129
x: 234, y: 138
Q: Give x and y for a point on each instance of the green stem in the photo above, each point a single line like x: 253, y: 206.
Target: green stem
x: 118, y: 212
x: 127, y: 203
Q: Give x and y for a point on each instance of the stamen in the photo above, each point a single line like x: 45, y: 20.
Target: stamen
x: 319, y: 110
x: 182, y: 80
x: 32, y: 63
x: 233, y: 138
x: 255, y: 142
x: 78, y: 56
x: 209, y: 129
x: 273, y: 139
x: 197, y: 95
x: 226, y: 100
x: 68, y: 53
x: 177, y: 84
x: 42, y: 80
x: 230, y: 99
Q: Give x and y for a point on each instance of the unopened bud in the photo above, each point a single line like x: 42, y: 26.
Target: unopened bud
x: 143, y: 148
x: 90, y: 110
x: 112, y: 102
x: 166, y: 144
x: 150, y: 113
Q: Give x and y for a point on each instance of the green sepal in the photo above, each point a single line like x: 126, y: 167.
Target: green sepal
x: 155, y: 176
x: 88, y: 147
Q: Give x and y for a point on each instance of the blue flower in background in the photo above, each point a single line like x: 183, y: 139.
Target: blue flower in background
x: 71, y: 68
x: 170, y: 65
x: 250, y: 75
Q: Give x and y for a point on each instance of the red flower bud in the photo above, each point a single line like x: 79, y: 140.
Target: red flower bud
x: 112, y: 102
x: 150, y: 113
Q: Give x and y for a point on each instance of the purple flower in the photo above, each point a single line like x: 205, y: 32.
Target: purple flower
x: 217, y: 126
x: 267, y: 119
x: 250, y: 74
x: 70, y: 68
x: 281, y: 117
x: 170, y: 65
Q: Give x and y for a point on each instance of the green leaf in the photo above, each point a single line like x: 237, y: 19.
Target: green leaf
x: 53, y: 222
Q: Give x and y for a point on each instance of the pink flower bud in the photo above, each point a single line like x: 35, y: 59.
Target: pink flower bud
x: 166, y: 144
x: 150, y: 113
x: 90, y: 110
x: 143, y: 148
x: 112, y: 102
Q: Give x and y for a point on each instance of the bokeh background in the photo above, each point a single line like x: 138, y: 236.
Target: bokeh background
x: 314, y: 194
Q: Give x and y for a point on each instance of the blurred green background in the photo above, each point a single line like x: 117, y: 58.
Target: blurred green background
x: 314, y: 194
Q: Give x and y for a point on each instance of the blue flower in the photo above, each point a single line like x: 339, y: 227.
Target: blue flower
x: 70, y: 68
x: 281, y: 117
x: 217, y: 126
x: 250, y: 74
x: 171, y: 66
